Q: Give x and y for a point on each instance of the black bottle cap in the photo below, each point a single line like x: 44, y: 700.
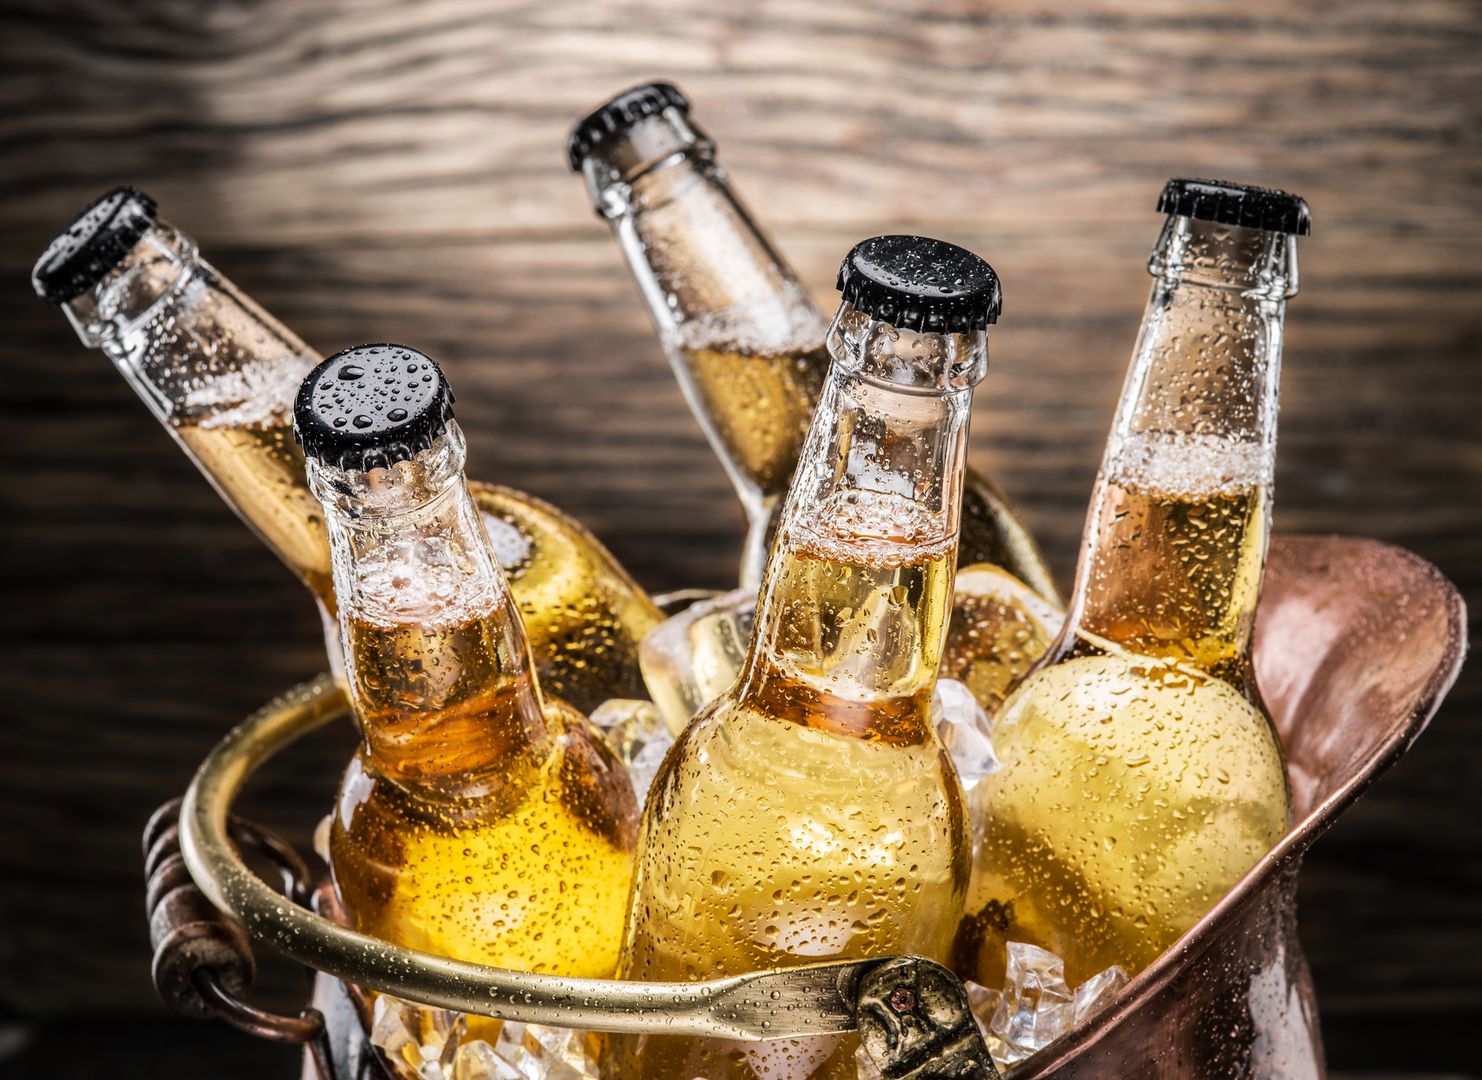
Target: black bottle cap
x: 619, y: 114
x: 371, y: 406
x: 1237, y: 204
x: 95, y: 242
x: 916, y: 283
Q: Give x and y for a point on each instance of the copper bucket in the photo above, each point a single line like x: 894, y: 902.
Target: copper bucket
x: 1357, y: 642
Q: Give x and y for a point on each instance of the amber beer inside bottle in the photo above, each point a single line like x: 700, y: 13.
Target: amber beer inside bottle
x: 759, y: 397
x: 811, y: 812
x: 1141, y: 774
x: 742, y: 335
x: 260, y: 471
x: 220, y: 373
x: 1183, y: 525
x: 480, y: 819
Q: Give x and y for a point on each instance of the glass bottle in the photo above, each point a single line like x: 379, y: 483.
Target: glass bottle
x: 1141, y: 773
x: 811, y: 812
x: 745, y: 341
x: 480, y: 819
x: 220, y: 374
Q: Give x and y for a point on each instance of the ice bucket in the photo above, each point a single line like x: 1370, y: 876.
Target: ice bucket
x: 1357, y: 642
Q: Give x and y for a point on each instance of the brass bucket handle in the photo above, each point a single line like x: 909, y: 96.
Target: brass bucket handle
x: 911, y: 1013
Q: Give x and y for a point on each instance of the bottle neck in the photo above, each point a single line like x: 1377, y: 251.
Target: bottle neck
x: 439, y: 669
x: 195, y: 348
x: 744, y: 339
x: 220, y: 374
x: 1176, y: 539
x: 854, y: 603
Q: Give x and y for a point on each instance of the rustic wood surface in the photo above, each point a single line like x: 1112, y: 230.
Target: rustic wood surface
x: 375, y: 170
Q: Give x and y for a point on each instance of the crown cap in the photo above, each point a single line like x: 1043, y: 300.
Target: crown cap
x: 372, y: 406
x: 916, y: 283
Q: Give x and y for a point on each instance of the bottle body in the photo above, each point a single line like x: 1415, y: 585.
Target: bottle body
x: 791, y: 825
x: 790, y: 865
x: 745, y: 341
x: 532, y: 878
x: 220, y: 374
x: 1141, y: 773
x: 811, y: 812
x: 1136, y: 786
x: 479, y: 819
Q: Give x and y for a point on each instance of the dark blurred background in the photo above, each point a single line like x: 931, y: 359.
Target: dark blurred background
x: 383, y: 170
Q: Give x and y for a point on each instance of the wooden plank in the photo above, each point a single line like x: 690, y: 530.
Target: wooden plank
x: 388, y: 119
x: 385, y: 170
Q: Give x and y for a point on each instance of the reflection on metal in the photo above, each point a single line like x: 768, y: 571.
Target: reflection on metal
x: 1232, y: 998
x: 914, y: 1022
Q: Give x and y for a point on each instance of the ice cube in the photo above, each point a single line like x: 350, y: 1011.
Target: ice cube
x: 477, y: 1060
x: 1036, y: 1006
x: 865, y: 1067
x: 538, y: 1052
x: 434, y: 1044
x: 1097, y: 992
x: 637, y: 734
x: 692, y: 658
x: 964, y: 730
x: 420, y: 1042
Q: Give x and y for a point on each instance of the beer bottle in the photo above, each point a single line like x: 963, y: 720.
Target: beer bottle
x: 480, y: 819
x: 1141, y: 774
x: 811, y: 812
x: 220, y: 373
x: 745, y: 341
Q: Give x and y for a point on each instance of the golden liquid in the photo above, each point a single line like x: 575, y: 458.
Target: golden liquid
x: 1141, y: 778
x: 1000, y: 628
x: 759, y: 404
x: 809, y: 814
x: 583, y: 614
x: 463, y: 828
x: 1178, y: 576
x: 259, y: 470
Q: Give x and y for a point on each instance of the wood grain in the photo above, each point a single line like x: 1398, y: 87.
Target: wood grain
x: 373, y: 170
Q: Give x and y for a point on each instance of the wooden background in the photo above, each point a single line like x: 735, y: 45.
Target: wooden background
x: 380, y: 170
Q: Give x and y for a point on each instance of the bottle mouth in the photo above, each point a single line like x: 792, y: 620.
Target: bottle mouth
x: 96, y: 242
x: 1250, y: 261
x: 379, y: 492
x: 148, y: 274
x: 615, y: 117
x: 647, y: 146
x: 906, y: 361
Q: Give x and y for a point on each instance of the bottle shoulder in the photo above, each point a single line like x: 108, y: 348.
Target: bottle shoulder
x: 1137, y: 711
x: 583, y: 612
x: 548, y: 542
x: 572, y: 773
x: 732, y: 752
